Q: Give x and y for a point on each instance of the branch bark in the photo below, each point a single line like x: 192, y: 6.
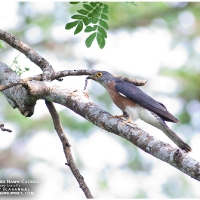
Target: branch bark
x: 67, y: 150
x: 17, y: 96
x: 80, y: 103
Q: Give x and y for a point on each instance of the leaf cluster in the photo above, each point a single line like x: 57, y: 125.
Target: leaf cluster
x: 93, y: 16
x: 17, y: 68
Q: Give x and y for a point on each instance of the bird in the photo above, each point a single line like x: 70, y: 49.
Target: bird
x: 135, y: 104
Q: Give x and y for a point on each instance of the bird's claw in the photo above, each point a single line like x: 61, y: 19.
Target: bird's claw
x: 128, y: 121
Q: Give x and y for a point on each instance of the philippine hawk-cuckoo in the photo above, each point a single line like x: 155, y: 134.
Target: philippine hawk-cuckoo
x: 136, y: 104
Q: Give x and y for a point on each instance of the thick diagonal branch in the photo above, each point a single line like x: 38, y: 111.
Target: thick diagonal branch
x: 67, y: 150
x: 80, y: 103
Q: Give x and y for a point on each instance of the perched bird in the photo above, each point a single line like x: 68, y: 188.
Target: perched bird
x: 135, y: 104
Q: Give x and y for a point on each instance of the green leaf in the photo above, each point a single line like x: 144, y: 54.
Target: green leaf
x: 90, y: 39
x: 95, y: 13
x: 90, y: 15
x: 87, y: 7
x: 103, y: 24
x: 77, y: 17
x: 73, y: 2
x: 90, y: 28
x: 105, y: 6
x: 87, y: 21
x: 104, y: 17
x: 71, y: 25
x: 105, y: 10
x: 94, y: 20
x: 78, y: 28
x: 101, y: 41
x: 82, y: 11
x: 98, y: 9
x: 102, y: 31
x: 93, y: 4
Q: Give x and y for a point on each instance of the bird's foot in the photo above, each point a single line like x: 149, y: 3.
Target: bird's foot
x: 128, y: 121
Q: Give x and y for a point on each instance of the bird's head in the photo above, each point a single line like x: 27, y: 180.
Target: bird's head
x: 101, y: 77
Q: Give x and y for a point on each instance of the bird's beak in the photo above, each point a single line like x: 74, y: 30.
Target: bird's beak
x: 91, y: 77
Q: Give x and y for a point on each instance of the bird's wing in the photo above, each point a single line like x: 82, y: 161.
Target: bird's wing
x: 134, y: 93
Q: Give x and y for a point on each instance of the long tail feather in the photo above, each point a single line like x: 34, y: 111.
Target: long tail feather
x: 175, y: 138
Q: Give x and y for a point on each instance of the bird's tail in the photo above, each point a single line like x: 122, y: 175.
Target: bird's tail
x: 177, y: 140
x: 160, y: 123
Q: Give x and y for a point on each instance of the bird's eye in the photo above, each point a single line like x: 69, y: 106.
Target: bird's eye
x: 99, y: 74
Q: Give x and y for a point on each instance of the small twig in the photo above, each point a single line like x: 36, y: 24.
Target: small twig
x: 29, y: 52
x: 67, y: 150
x: 64, y: 73
x: 4, y: 129
x: 136, y: 82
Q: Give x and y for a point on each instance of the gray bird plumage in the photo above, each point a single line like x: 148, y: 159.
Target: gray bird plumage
x: 145, y: 107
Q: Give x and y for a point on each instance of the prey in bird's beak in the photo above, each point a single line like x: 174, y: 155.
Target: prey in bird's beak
x: 95, y: 76
x: 86, y: 81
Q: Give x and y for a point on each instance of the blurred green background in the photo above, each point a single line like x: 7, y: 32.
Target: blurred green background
x: 158, y: 42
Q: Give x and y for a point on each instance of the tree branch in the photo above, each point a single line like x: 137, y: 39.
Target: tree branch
x: 79, y: 102
x: 67, y: 150
x: 65, y: 73
x: 29, y: 52
x: 17, y: 96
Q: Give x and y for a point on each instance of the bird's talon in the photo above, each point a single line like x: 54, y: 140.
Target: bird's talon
x: 128, y: 121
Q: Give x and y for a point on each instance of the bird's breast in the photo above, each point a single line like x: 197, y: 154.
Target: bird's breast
x: 120, y: 101
x: 133, y: 112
